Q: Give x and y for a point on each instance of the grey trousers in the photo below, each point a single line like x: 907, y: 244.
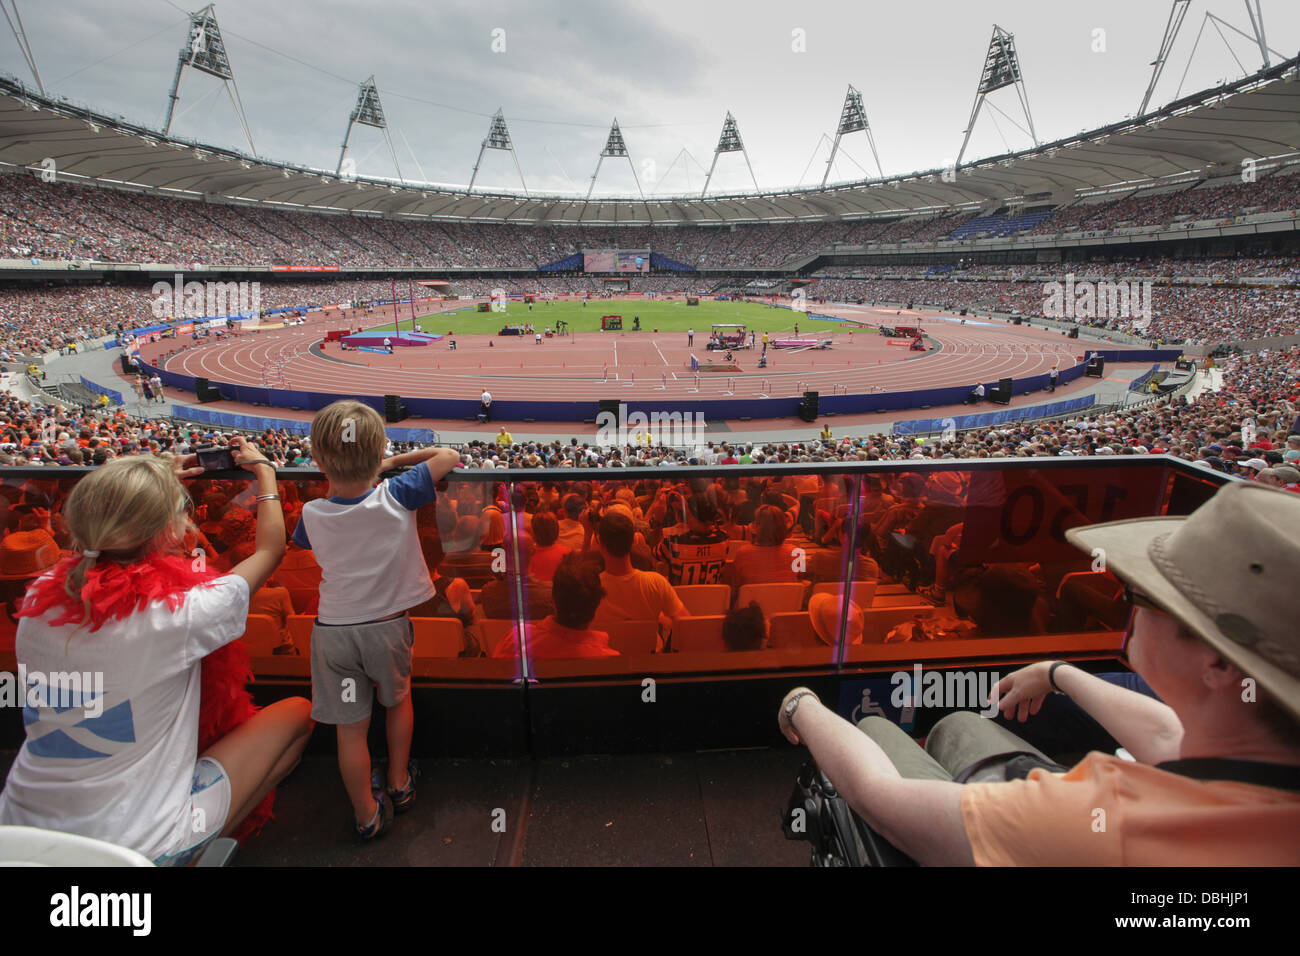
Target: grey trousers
x: 963, y: 746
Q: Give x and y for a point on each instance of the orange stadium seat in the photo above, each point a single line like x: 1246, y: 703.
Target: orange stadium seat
x: 438, y: 636
x: 792, y: 629
x: 492, y: 631
x: 300, y: 626
x: 261, y: 635
x: 631, y: 638
x: 861, y: 593
x: 773, y: 598
x: 705, y: 598
x: 699, y: 634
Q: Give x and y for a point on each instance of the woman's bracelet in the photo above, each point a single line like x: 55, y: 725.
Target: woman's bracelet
x: 268, y: 497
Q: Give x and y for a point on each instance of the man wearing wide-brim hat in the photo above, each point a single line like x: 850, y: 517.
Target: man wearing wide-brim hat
x: 1215, y: 778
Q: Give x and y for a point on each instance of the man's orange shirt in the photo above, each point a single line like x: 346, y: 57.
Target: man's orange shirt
x: 1111, y: 812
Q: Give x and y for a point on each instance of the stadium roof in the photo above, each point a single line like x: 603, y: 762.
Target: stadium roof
x: 1207, y: 134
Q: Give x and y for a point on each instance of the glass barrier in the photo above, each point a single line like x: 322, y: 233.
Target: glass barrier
x: 739, y: 570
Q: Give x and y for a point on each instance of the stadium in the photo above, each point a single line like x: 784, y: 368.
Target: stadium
x: 909, y: 415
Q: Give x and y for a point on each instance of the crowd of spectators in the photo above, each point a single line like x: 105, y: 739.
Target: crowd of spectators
x: 1194, y: 314
x: 1259, y: 389
x: 1223, y: 199
x: 62, y: 221
x: 48, y: 317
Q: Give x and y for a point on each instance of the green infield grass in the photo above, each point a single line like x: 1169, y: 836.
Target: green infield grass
x: 674, y: 316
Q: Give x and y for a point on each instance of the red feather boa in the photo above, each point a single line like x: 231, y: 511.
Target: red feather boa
x: 115, y: 591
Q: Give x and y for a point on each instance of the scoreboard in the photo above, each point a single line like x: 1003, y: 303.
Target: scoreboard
x: 616, y: 260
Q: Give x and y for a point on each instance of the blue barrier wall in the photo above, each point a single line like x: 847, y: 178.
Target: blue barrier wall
x: 711, y: 409
x: 114, y: 396
x: 989, y: 419
x: 256, y: 423
x: 1142, y: 379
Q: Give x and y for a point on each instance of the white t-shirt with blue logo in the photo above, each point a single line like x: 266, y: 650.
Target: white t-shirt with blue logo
x: 368, y: 549
x: 115, y: 761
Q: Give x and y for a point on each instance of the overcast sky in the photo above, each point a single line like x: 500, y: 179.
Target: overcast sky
x: 668, y: 70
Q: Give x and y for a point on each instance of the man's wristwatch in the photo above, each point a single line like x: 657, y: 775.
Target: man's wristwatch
x: 1051, y: 675
x: 793, y: 704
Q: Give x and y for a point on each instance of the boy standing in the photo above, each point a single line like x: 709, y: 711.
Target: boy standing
x: 365, y: 540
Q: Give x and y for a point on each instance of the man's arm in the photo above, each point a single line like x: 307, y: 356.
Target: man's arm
x: 920, y: 817
x: 1142, y: 725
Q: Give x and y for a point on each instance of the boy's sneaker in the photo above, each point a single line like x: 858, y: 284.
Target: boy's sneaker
x: 382, y: 821
x: 404, y: 798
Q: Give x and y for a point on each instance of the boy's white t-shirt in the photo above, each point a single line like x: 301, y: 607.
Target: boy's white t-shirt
x: 118, y: 765
x: 368, y: 549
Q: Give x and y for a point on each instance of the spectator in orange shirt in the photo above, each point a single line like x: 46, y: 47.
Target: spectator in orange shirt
x: 632, y: 595
x: 1215, y: 775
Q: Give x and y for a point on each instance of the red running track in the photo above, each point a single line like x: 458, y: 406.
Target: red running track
x: 644, y: 365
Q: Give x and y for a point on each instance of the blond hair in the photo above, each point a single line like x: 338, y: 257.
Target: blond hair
x: 123, y: 510
x: 348, y: 441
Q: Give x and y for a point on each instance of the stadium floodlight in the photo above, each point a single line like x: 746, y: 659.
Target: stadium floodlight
x: 498, y: 137
x: 614, y: 146
x: 853, y: 119
x: 729, y: 142
x: 205, y: 51
x: 1001, y: 69
x: 369, y: 111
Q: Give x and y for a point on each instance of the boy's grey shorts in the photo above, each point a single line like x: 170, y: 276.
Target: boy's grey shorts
x: 346, y: 659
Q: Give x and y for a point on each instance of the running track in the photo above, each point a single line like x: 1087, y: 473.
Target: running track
x: 643, y: 365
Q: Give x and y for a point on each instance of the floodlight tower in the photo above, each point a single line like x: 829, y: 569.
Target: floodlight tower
x: 1001, y: 68
x: 205, y: 51
x: 1256, y: 35
x: 729, y: 142
x: 498, y: 137
x: 20, y: 36
x: 1172, y: 26
x: 369, y: 112
x: 853, y: 119
x: 614, y: 146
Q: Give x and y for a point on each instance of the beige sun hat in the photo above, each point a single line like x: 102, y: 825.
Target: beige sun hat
x: 1226, y: 572
x: 825, y: 610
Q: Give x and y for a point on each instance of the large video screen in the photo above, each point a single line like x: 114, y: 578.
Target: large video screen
x: 598, y: 261
x: 638, y: 261
x: 615, y: 260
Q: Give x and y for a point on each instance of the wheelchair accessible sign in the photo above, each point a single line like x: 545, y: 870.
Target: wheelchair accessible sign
x: 874, y: 697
